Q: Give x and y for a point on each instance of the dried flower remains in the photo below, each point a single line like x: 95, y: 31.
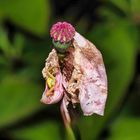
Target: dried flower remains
x: 74, y: 74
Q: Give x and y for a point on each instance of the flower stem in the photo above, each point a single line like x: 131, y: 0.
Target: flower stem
x: 69, y: 133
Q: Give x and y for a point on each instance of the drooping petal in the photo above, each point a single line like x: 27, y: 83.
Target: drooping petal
x: 55, y: 95
x: 54, y: 90
x: 64, y: 110
x: 93, y: 82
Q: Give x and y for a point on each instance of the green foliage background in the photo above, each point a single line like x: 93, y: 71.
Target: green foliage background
x: 112, y: 25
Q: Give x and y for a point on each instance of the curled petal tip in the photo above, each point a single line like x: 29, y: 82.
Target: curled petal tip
x: 54, y: 96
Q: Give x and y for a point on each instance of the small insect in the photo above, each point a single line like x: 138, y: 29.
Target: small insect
x: 74, y: 72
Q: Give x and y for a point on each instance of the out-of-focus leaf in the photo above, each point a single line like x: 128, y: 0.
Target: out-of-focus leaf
x: 2, y: 60
x: 32, y: 15
x: 116, y: 42
x: 4, y: 42
x: 1, y: 17
x: 82, y: 25
x: 19, y: 97
x: 18, y: 44
x: 3, y: 67
x: 124, y: 5
x: 43, y: 131
x: 125, y: 128
x: 11, y: 50
x: 135, y: 8
x: 108, y: 14
x: 135, y: 5
x: 34, y: 55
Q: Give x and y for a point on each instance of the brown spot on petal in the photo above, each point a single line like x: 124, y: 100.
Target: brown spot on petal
x: 91, y: 53
x: 93, y: 81
x: 97, y: 102
x: 68, y: 64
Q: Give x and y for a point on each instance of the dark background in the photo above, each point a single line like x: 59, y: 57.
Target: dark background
x: 112, y: 25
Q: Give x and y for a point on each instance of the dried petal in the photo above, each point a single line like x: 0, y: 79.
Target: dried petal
x: 93, y: 82
x: 69, y: 76
x: 64, y: 110
x: 55, y: 95
x: 53, y: 91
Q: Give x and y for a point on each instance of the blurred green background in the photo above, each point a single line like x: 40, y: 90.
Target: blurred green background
x: 112, y: 25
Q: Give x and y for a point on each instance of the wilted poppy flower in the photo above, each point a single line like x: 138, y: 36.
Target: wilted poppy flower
x: 74, y: 74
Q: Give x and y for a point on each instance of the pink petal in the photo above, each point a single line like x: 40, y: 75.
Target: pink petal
x: 93, y: 85
x: 57, y: 93
x: 64, y: 111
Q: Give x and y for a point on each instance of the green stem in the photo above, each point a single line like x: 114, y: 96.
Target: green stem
x: 69, y: 133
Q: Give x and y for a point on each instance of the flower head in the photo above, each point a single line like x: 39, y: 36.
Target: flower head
x: 79, y: 78
x: 62, y: 32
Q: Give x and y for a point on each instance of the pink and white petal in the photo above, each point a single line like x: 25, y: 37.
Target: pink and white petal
x: 93, y: 86
x: 64, y: 111
x: 57, y: 94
